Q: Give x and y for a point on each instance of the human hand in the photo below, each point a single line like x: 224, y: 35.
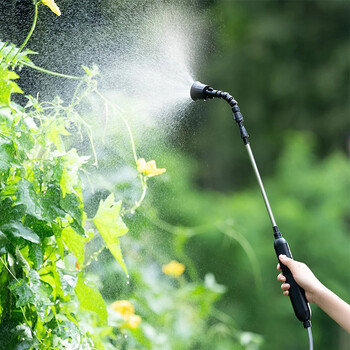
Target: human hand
x: 302, y: 275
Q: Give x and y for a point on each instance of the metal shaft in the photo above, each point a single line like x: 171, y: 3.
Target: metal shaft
x: 256, y: 170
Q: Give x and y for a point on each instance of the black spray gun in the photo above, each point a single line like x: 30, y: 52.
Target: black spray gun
x: 300, y: 305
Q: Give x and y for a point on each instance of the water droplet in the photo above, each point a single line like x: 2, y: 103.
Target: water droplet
x: 127, y: 282
x: 125, y: 336
x: 128, y: 276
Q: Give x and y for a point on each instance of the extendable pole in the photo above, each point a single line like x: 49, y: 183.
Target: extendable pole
x: 262, y: 189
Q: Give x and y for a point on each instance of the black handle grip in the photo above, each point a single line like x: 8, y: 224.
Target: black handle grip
x: 296, y: 293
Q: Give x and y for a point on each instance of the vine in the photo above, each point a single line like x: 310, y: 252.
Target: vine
x: 46, y: 299
x: 43, y: 227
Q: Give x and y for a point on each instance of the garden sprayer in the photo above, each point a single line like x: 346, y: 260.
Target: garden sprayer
x: 300, y: 305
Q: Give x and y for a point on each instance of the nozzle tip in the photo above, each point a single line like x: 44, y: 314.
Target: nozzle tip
x: 197, y: 91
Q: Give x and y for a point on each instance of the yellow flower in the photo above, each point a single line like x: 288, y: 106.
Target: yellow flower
x: 174, y: 269
x: 53, y: 7
x: 148, y: 168
x: 133, y: 322
x: 127, y: 310
x: 124, y: 307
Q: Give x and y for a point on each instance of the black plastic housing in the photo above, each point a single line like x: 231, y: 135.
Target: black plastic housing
x: 296, y: 293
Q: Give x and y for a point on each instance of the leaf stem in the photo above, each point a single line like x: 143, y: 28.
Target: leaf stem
x: 8, y: 269
x: 36, y: 4
x: 67, y: 76
x: 248, y: 249
x: 143, y: 195
x: 125, y: 122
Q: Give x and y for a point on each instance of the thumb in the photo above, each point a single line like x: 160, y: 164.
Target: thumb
x: 286, y: 261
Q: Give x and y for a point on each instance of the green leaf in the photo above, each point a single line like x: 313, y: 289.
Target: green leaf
x: 24, y: 333
x: 53, y: 134
x: 50, y: 275
x: 111, y: 226
x: 7, y: 86
x: 73, y: 205
x: 36, y: 255
x: 5, y: 244
x: 90, y: 299
x: 70, y: 174
x: 17, y: 230
x: 27, y: 196
x: 10, y: 52
x: 7, y: 156
x: 75, y: 243
x: 40, y: 227
x: 6, y: 118
x: 42, y: 293
x: 23, y: 292
x: 10, y: 212
x: 51, y: 203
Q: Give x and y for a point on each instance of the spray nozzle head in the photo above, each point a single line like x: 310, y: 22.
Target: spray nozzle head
x: 199, y: 91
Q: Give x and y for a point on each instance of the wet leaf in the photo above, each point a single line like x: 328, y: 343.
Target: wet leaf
x: 70, y: 175
x: 17, y: 230
x: 75, y: 243
x: 90, y: 299
x: 23, y: 292
x: 111, y: 226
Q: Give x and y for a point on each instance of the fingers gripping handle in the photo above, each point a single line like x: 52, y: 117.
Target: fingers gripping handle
x: 296, y: 293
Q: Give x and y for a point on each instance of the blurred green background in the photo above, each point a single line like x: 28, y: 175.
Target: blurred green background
x: 287, y: 63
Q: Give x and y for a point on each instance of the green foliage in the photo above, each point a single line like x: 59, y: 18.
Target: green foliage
x: 10, y: 55
x: 49, y: 295
x: 43, y: 223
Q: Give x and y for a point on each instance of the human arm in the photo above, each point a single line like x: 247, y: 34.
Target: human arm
x: 316, y: 292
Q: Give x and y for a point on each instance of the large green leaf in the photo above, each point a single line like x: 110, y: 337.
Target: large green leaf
x: 75, y: 243
x: 23, y: 292
x: 27, y: 196
x: 17, y: 230
x: 90, y: 299
x: 111, y: 226
x: 10, y: 212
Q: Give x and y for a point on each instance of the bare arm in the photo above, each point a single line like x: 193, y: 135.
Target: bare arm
x: 316, y: 292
